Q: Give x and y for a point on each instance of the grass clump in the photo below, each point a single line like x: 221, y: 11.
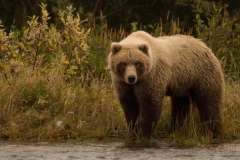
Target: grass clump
x: 46, y: 107
x: 54, y: 85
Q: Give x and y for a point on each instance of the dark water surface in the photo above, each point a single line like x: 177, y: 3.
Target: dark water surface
x: 114, y: 151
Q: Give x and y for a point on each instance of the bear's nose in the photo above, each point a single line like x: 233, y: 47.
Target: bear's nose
x: 131, y: 79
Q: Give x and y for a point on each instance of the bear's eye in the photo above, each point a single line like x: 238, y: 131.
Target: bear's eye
x: 123, y: 64
x: 137, y: 64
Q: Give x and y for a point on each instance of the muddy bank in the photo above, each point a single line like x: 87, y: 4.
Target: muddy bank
x: 117, y: 151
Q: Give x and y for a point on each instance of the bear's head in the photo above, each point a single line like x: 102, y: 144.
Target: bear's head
x: 130, y: 63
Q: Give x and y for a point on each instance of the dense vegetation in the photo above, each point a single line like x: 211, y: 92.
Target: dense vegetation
x: 113, y: 13
x: 55, y: 84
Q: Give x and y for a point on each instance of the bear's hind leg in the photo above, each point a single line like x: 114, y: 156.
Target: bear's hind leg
x: 211, y: 116
x: 180, y: 111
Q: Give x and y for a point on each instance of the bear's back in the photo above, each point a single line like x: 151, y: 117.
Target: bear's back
x: 192, y: 61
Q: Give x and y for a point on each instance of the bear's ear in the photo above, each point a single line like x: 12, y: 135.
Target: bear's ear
x: 143, y: 47
x: 115, y: 47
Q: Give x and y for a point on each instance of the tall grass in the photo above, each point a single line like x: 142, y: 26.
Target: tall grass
x: 55, y: 85
x: 46, y: 107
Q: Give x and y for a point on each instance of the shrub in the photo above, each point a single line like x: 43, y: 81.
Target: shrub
x: 222, y: 36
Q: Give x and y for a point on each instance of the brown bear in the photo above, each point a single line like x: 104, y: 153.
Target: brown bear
x: 144, y: 69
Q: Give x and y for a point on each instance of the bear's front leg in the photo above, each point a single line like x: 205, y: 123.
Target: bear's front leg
x: 149, y: 118
x: 150, y: 112
x: 129, y: 104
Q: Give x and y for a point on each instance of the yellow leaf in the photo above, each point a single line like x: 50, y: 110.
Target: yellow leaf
x: 83, y: 57
x: 14, y: 55
x: 66, y: 62
x: 39, y: 44
x: 88, y: 31
x: 45, y: 13
x: 68, y: 38
x: 2, y: 48
x: 50, y: 42
x: 74, y: 67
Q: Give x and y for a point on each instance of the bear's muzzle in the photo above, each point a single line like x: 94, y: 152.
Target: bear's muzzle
x: 130, y: 74
x: 131, y: 79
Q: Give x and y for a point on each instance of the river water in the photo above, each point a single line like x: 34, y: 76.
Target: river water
x: 114, y: 151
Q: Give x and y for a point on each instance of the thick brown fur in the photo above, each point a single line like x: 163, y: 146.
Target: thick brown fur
x: 144, y: 69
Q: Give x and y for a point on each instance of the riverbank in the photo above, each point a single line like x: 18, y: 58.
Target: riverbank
x: 119, y: 151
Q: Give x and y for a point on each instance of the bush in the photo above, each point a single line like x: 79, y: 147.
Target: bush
x: 221, y: 34
x: 44, y: 47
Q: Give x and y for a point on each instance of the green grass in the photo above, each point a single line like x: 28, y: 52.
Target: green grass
x: 55, y: 85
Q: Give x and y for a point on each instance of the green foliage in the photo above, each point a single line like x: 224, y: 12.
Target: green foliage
x: 44, y: 47
x: 74, y: 45
x: 221, y: 36
x: 115, y: 12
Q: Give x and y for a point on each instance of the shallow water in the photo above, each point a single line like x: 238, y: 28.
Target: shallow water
x: 116, y: 151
